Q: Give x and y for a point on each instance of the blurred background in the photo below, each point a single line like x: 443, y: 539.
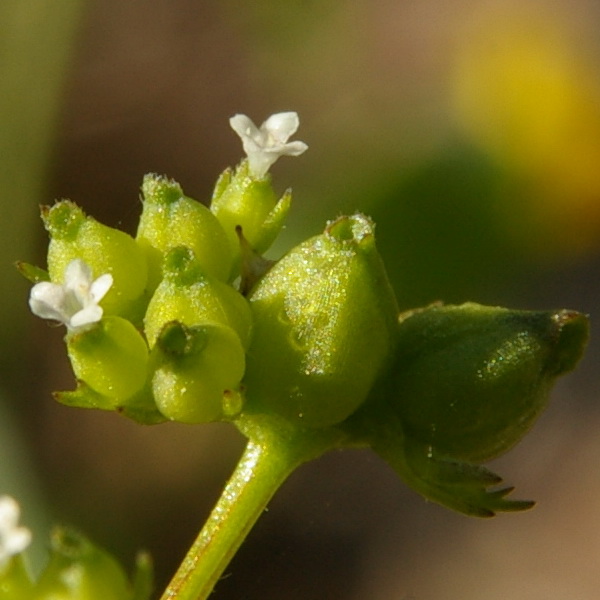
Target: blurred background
x: 469, y: 130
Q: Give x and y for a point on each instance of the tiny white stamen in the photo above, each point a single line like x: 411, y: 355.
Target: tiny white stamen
x: 74, y: 303
x: 266, y: 144
x: 13, y: 538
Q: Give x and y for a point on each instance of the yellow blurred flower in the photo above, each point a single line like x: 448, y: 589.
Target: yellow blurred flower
x: 526, y: 92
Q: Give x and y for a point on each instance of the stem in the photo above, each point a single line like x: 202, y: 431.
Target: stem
x: 262, y: 469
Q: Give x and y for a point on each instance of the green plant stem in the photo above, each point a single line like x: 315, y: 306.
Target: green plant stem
x: 262, y: 469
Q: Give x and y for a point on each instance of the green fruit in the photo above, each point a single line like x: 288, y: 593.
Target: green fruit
x: 111, y: 357
x: 106, y: 250
x: 324, y: 326
x: 469, y: 381
x: 188, y: 295
x: 197, y: 372
x: 170, y: 219
x: 240, y: 200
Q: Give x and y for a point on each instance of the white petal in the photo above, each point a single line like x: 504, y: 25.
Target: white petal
x: 47, y: 300
x: 17, y: 541
x: 13, y: 539
x: 293, y: 148
x: 77, y: 274
x: 100, y: 286
x: 265, y: 145
x: 260, y: 162
x: 244, y: 126
x: 9, y: 512
x: 282, y: 125
x: 87, y: 316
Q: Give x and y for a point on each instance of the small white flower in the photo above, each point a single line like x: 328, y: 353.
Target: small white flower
x: 265, y: 145
x: 13, y: 539
x: 75, y: 303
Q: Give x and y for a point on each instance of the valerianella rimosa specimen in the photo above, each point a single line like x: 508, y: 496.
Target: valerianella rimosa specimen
x: 188, y: 322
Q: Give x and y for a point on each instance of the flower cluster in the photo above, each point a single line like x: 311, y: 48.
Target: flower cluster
x: 188, y: 322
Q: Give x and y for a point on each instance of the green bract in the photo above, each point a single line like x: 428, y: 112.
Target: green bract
x: 324, y: 327
x: 170, y: 219
x: 73, y: 235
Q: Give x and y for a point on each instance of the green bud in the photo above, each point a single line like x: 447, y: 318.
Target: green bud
x: 111, y: 357
x: 197, y: 372
x: 240, y: 200
x: 78, y: 570
x: 468, y: 381
x: 106, y: 250
x: 188, y: 295
x: 325, y: 321
x: 170, y: 219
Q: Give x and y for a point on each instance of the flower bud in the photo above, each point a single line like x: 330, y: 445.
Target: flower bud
x: 240, y: 200
x: 188, y: 295
x: 197, y: 372
x: 78, y: 570
x: 468, y: 381
x: 106, y: 250
x: 111, y: 357
x: 325, y: 321
x: 170, y: 219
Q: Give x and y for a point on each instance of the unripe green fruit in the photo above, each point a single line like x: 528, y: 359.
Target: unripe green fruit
x: 188, y: 295
x: 170, y: 219
x: 468, y: 381
x: 197, y: 372
x: 241, y: 200
x: 106, y: 250
x: 111, y: 357
x: 324, y: 325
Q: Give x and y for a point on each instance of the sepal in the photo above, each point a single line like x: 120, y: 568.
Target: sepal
x: 31, y: 272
